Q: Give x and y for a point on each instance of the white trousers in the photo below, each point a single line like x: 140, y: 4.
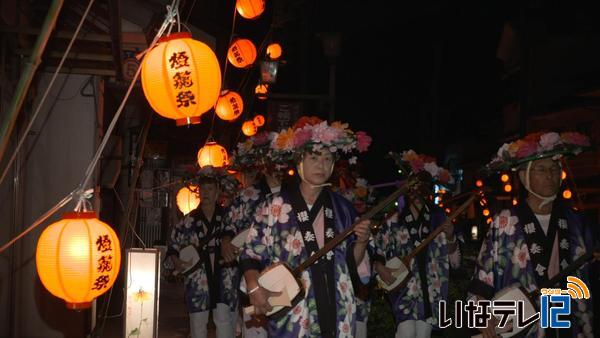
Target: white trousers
x: 223, y: 318
x: 413, y: 329
x: 253, y: 332
x: 361, y: 329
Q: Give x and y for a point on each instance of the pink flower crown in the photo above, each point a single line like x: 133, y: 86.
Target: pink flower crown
x: 314, y: 135
x: 410, y: 163
x: 536, y: 146
x: 256, y: 153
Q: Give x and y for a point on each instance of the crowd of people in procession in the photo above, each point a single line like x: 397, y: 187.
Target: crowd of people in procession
x: 280, y: 220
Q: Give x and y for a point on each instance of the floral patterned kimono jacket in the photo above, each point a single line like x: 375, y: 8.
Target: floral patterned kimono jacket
x: 239, y: 217
x: 287, y: 234
x: 205, y: 286
x: 517, y: 251
x: 430, y: 269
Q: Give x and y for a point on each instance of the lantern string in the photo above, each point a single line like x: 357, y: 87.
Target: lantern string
x: 189, y: 13
x: 39, y: 221
x: 49, y: 86
x: 212, y: 122
x: 131, y: 227
x: 92, y: 165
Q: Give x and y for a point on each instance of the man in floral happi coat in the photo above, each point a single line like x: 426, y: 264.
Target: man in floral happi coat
x: 253, y: 157
x: 530, y: 243
x: 208, y: 285
x: 296, y: 222
x: 416, y: 307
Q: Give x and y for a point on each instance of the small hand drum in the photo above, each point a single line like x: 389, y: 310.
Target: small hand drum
x: 400, y: 272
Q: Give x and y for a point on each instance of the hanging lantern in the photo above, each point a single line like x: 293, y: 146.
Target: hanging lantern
x: 242, y: 53
x: 474, y: 232
x: 249, y: 128
x: 250, y: 9
x: 212, y: 154
x: 274, y: 51
x: 229, y: 106
x: 563, y: 174
x: 507, y: 187
x: 259, y: 120
x: 78, y: 258
x: 504, y: 178
x: 479, y: 183
x: 188, y: 199
x: 261, y: 91
x: 181, y: 78
x: 567, y: 194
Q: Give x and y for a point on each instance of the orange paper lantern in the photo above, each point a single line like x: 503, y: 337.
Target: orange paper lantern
x: 504, y: 178
x: 274, y: 51
x: 212, y: 154
x: 181, y: 78
x: 250, y: 9
x: 242, y: 53
x: 259, y: 120
x: 249, y: 128
x: 567, y: 194
x: 229, y: 106
x: 78, y: 258
x: 188, y: 199
x: 261, y: 91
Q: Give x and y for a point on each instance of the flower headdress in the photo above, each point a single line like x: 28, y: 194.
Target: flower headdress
x: 313, y: 135
x: 227, y: 182
x: 256, y: 153
x: 536, y: 146
x: 410, y: 163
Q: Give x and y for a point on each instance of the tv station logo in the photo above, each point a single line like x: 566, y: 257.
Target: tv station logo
x: 554, y: 303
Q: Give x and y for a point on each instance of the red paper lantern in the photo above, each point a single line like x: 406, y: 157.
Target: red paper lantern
x: 229, y: 106
x: 274, y: 51
x: 241, y: 53
x: 78, y: 258
x: 259, y: 120
x: 250, y: 9
x: 249, y: 128
x: 181, y: 78
x: 212, y: 154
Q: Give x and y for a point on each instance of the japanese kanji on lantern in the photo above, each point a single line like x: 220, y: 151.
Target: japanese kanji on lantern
x: 212, y: 154
x: 241, y: 53
x: 78, y: 258
x: 259, y: 120
x: 181, y: 78
x: 229, y: 105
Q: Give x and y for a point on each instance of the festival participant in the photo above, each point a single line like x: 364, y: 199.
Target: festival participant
x: 530, y: 243
x: 207, y: 284
x: 416, y: 307
x: 302, y: 218
x: 251, y: 157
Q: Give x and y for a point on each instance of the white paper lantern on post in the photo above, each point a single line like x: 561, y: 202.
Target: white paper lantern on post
x: 142, y: 287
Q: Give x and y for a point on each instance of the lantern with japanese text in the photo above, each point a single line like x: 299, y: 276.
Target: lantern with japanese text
x: 181, y: 78
x: 241, y: 53
x: 250, y: 9
x: 274, y: 51
x: 212, y: 154
x: 262, y: 91
x: 259, y: 120
x: 78, y: 258
x: 249, y: 128
x: 229, y: 106
x: 188, y: 199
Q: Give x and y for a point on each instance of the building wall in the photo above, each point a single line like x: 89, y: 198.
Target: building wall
x: 57, y: 153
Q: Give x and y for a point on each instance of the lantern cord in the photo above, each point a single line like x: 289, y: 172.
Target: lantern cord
x: 40, y: 220
x: 128, y: 222
x: 189, y: 13
x: 212, y: 122
x: 49, y: 86
x: 83, y: 203
x: 172, y: 12
x: 90, y: 169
